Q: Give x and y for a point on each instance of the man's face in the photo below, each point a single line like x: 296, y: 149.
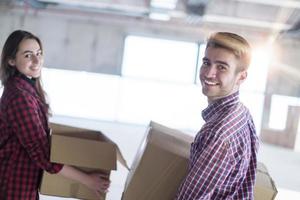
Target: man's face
x: 219, y: 74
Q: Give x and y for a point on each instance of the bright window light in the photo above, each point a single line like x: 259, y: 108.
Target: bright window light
x: 297, y: 142
x: 168, y: 103
x: 258, y: 70
x: 113, y: 98
x: 199, y: 64
x: 279, y: 110
x: 159, y: 16
x: 284, y: 194
x: 164, y: 4
x: 159, y: 59
x: 254, y: 101
x: 81, y: 94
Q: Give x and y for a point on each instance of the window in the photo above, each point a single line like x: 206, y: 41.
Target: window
x: 201, y: 53
x: 159, y: 59
x: 279, y: 110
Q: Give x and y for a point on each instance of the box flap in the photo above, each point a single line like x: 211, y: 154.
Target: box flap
x: 137, y: 158
x: 61, y: 128
x: 121, y: 159
x: 170, y: 139
x: 84, y: 148
x: 262, y: 167
x: 172, y: 132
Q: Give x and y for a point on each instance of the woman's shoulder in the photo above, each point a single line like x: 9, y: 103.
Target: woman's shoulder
x: 14, y: 95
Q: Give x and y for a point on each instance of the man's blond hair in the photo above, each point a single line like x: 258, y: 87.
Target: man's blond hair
x: 234, y: 43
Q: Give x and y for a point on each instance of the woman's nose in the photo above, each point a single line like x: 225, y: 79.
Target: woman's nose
x: 35, y: 58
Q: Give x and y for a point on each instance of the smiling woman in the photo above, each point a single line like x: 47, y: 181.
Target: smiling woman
x: 29, y: 58
x: 17, y: 59
x: 24, y: 130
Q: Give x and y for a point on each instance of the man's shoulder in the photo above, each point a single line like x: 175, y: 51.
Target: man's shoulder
x: 233, y: 113
x: 232, y: 121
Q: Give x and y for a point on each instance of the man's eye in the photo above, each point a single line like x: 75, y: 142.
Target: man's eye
x: 221, y: 67
x: 205, y: 63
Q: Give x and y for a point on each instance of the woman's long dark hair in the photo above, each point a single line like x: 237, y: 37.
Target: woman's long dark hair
x: 9, y: 51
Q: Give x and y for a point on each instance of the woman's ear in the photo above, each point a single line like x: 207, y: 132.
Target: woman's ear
x: 11, y: 62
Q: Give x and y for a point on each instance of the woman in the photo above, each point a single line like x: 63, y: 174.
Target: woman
x: 24, y: 131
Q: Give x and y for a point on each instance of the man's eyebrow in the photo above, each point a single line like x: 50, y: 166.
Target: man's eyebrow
x: 223, y: 63
x: 218, y: 61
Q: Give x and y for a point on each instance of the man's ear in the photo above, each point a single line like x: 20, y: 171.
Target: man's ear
x: 242, y: 77
x: 11, y: 62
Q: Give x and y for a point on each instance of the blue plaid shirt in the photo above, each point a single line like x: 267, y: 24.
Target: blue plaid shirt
x: 223, y: 155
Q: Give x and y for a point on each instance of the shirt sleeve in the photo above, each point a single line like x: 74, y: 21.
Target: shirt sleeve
x: 208, y: 172
x: 25, y: 120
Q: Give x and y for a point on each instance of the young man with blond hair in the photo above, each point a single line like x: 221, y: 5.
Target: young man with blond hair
x: 223, y: 161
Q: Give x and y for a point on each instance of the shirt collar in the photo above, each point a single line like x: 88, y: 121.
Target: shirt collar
x: 24, y: 83
x: 219, y: 105
x: 29, y: 80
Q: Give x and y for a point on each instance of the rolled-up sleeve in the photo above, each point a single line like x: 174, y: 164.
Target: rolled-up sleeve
x: 208, y: 172
x: 26, y: 122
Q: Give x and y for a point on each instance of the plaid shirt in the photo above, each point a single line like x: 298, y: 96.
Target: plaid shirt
x: 24, y: 141
x: 223, y: 155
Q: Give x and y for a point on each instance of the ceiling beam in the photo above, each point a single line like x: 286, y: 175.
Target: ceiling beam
x: 279, y: 3
x: 245, y: 22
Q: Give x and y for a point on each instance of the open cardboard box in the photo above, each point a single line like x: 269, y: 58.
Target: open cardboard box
x: 161, y: 164
x: 87, y: 150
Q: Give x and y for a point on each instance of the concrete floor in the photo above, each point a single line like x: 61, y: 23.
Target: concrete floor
x: 283, y: 164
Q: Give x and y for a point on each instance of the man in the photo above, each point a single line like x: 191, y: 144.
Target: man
x: 223, y: 159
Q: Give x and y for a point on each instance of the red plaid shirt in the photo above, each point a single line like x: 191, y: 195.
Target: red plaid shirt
x: 24, y: 141
x: 223, y: 156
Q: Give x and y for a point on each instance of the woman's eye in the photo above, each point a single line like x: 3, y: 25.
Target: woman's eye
x: 27, y: 55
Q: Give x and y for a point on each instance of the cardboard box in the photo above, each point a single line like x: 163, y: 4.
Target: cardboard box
x: 161, y: 164
x: 264, y: 187
x: 88, y: 150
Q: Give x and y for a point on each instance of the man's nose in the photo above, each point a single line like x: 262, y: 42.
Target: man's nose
x: 211, y: 72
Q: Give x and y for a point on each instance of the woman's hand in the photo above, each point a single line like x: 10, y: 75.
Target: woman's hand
x: 98, y: 182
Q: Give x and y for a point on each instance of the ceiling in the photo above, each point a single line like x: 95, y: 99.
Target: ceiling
x: 272, y: 16
x: 258, y: 19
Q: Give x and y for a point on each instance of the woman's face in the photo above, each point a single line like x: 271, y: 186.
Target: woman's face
x: 29, y: 58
